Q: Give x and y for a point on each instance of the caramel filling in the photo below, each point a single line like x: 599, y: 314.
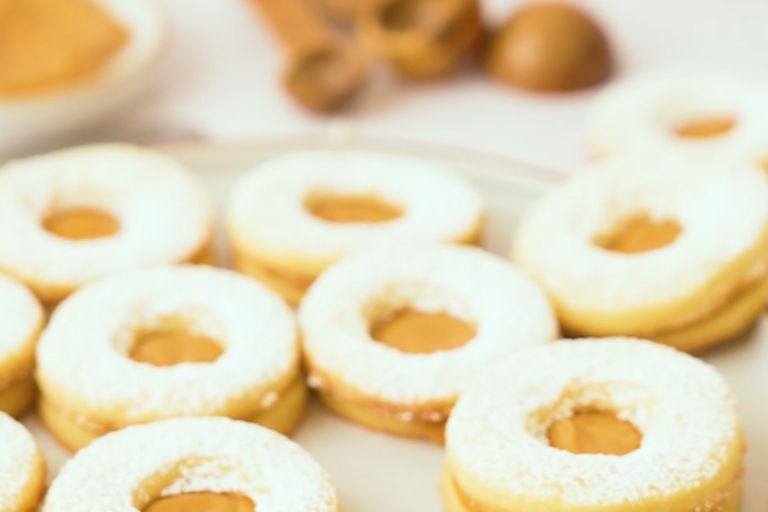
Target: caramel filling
x: 168, y: 347
x: 594, y: 432
x: 705, y: 128
x: 341, y: 208
x: 81, y: 224
x: 640, y: 234
x: 50, y: 44
x: 201, y: 502
x: 416, y: 332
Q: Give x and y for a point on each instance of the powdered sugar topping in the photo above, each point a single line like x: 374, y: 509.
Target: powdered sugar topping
x: 21, y: 316
x: 719, y: 204
x: 19, y: 461
x: 148, y: 194
x: 508, y: 310
x: 82, y: 357
x: 268, y: 216
x: 496, y: 434
x: 126, y: 470
x: 640, y: 115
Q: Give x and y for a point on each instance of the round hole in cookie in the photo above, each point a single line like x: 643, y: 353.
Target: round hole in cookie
x: 416, y: 332
x: 169, y: 344
x: 202, y: 502
x: 639, y: 234
x: 594, y: 432
x: 81, y: 223
x: 705, y: 127
x: 336, y: 207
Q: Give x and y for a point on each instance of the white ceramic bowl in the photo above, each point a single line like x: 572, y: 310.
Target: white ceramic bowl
x: 41, y: 117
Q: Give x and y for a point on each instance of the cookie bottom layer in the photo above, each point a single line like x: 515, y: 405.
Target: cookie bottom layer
x: 723, y: 324
x: 73, y: 434
x: 453, y: 501
x: 720, y: 326
x: 372, y: 418
x: 290, y: 285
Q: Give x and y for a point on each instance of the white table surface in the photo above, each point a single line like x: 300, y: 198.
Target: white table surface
x: 219, y: 78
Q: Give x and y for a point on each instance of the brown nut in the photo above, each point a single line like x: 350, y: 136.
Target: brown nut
x: 550, y: 47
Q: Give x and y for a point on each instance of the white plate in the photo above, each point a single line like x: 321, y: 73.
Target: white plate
x: 379, y: 473
x: 44, y: 117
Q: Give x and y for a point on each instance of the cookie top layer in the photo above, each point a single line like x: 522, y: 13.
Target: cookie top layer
x: 126, y: 470
x: 20, y: 463
x: 83, y: 363
x: 148, y: 195
x: 687, y: 112
x: 21, y: 319
x: 506, y: 307
x: 269, y: 219
x: 497, y: 434
x: 718, y: 204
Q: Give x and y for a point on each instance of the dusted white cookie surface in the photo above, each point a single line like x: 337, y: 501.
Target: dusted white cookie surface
x: 497, y: 434
x: 268, y: 218
x: 19, y: 463
x: 719, y: 205
x: 125, y: 470
x: 148, y: 194
x: 647, y: 114
x: 20, y: 318
x: 508, y: 310
x: 83, y: 361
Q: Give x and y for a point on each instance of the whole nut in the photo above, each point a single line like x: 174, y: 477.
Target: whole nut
x: 550, y: 47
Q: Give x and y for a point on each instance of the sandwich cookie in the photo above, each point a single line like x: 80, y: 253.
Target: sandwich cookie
x: 695, y: 114
x: 168, y: 342
x: 177, y: 465
x: 653, y: 248
x: 392, y: 337
x: 74, y: 216
x: 293, y: 216
x: 610, y: 425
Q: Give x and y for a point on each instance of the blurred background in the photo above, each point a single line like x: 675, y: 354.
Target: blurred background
x: 218, y: 76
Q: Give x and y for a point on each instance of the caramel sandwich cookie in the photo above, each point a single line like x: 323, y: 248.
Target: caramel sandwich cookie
x: 22, y: 469
x: 21, y: 320
x: 392, y: 337
x: 168, y: 342
x: 178, y: 465
x: 610, y: 425
x: 696, y: 114
x: 669, y: 249
x: 293, y: 216
x: 70, y: 217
